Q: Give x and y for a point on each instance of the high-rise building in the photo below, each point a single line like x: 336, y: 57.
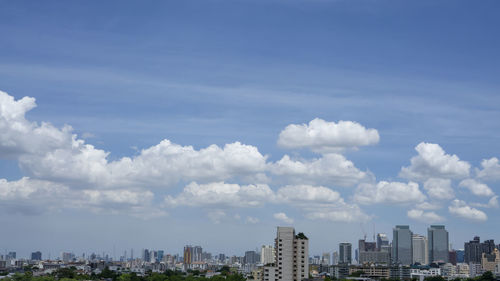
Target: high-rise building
x: 146, y: 256
x: 292, y: 255
x: 11, y: 256
x: 345, y: 253
x: 188, y: 254
x: 438, y: 243
x: 36, y: 256
x: 420, y: 251
x: 67, y: 257
x: 335, y: 258
x: 267, y: 254
x: 382, y: 241
x: 251, y: 257
x: 325, y: 259
x: 370, y: 253
x: 474, y: 249
x: 197, y: 253
x: 402, y: 246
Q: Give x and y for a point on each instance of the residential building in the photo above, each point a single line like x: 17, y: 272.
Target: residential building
x: 370, y: 253
x: 438, y: 243
x: 489, y: 261
x: 474, y: 249
x: 292, y: 253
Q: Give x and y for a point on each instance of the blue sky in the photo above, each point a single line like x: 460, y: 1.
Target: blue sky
x: 128, y: 75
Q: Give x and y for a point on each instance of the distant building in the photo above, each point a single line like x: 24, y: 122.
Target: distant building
x: 146, y: 255
x: 370, y: 253
x: 420, y: 251
x: 335, y: 258
x: 402, y: 245
x: 438, y: 242
x: 325, y: 259
x: 474, y: 249
x: 11, y: 256
x: 267, y: 254
x: 383, y: 242
x: 460, y: 256
x: 490, y: 261
x: 452, y: 257
x: 345, y: 253
x: 36, y: 256
x: 251, y: 257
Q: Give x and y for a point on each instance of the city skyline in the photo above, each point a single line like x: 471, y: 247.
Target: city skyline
x: 210, y: 123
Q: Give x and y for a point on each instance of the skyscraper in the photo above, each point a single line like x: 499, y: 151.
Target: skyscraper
x: 438, y: 243
x: 474, y: 249
x: 420, y: 251
x: 402, y: 245
x: 267, y: 254
x: 36, y: 256
x: 382, y: 241
x: 345, y: 253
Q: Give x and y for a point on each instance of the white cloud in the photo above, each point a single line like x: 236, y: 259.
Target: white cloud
x: 306, y: 194
x: 331, y: 169
x: 322, y: 136
x: 283, y: 217
x: 388, y: 192
x: 426, y: 217
x: 252, y: 220
x: 477, y: 188
x: 32, y: 196
x: 216, y: 216
x: 461, y: 209
x: 439, y: 188
x: 220, y: 194
x: 428, y: 206
x: 49, y: 153
x: 492, y: 203
x: 433, y: 162
x: 319, y: 202
x: 490, y: 171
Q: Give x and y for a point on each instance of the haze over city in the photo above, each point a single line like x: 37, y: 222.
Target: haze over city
x: 164, y: 124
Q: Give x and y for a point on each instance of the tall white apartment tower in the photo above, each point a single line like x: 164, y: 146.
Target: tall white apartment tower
x: 292, y: 255
x: 420, y: 251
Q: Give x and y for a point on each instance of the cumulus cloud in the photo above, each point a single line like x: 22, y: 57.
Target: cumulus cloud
x: 428, y: 206
x: 433, y: 162
x: 388, y: 192
x: 490, y: 170
x: 476, y: 188
x: 425, y: 217
x: 322, y: 136
x: 492, y: 203
x: 283, y: 217
x: 439, y: 188
x: 32, y: 196
x: 332, y: 169
x: 220, y: 194
x: 460, y: 209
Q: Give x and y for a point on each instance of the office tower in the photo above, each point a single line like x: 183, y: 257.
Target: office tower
x: 402, y: 246
x: 292, y: 252
x: 11, y: 256
x: 345, y: 253
x: 36, y: 256
x: 420, y: 251
x: 251, y: 257
x: 160, y: 256
x: 474, y: 249
x: 222, y: 258
x: 325, y: 259
x: 460, y: 255
x: 146, y: 255
x: 452, y: 257
x: 370, y: 253
x: 267, y: 254
x: 438, y: 243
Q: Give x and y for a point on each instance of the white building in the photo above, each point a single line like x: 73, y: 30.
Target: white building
x: 420, y: 249
x: 475, y: 269
x: 267, y: 254
x: 292, y: 257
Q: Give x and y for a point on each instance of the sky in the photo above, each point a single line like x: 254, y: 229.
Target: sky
x: 156, y: 124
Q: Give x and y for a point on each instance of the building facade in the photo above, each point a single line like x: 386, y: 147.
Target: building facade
x: 345, y: 253
x: 420, y: 251
x: 438, y: 243
x: 402, y: 245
